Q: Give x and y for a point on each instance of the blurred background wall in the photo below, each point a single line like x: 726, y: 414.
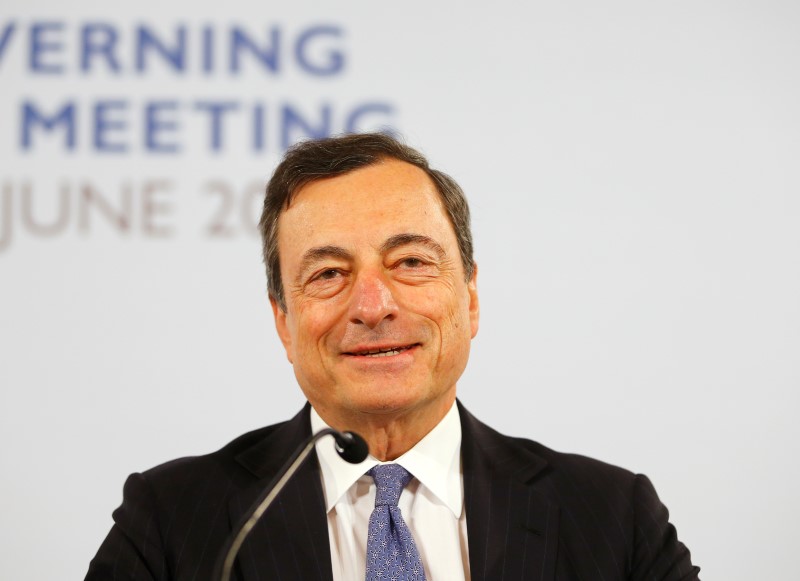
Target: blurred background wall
x: 632, y: 169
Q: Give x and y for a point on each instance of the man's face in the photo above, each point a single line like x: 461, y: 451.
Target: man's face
x: 379, y: 316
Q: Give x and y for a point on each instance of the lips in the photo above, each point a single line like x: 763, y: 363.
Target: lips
x: 380, y: 351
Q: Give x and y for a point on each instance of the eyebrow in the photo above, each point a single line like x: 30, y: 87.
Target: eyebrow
x: 405, y: 239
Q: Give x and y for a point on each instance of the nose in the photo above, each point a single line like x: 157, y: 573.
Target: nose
x: 371, y: 301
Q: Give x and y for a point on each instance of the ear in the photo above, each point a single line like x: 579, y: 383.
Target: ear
x: 282, y: 327
x: 474, y: 305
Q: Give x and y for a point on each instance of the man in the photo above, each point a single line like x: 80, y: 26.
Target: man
x: 373, y: 287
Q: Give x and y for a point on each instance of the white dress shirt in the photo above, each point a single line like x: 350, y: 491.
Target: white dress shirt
x: 432, y: 504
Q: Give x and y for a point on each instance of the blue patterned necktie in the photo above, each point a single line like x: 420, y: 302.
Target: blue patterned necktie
x: 391, y: 552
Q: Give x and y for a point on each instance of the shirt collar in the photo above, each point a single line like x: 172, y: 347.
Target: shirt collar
x: 435, y: 461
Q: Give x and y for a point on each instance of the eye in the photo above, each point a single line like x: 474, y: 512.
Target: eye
x: 412, y: 262
x: 325, y: 282
x: 329, y: 274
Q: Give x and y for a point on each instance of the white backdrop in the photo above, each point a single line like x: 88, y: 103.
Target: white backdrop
x: 632, y: 169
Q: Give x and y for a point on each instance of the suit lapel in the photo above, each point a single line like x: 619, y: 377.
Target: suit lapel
x: 291, y: 540
x: 513, y: 530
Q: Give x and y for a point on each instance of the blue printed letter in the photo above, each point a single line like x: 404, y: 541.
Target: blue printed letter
x: 335, y: 59
x: 103, y: 126
x: 65, y: 117
x: 39, y: 46
x: 290, y: 120
x: 7, y: 32
x: 153, y: 125
x: 145, y: 40
x: 216, y: 111
x: 269, y: 56
x: 353, y: 124
x: 105, y: 46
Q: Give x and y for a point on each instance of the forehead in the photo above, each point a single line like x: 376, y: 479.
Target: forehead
x: 364, y: 207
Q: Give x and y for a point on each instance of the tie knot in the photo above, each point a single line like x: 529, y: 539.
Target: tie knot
x: 390, y: 480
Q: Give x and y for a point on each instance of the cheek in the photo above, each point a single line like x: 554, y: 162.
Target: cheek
x: 424, y: 301
x: 314, y: 325
x: 458, y: 325
x: 444, y: 306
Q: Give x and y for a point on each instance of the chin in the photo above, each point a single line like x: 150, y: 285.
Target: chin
x: 386, y: 399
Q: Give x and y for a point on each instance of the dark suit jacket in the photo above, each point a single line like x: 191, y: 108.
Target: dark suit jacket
x: 532, y: 513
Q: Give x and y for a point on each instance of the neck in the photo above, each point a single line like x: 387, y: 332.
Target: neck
x: 390, y: 434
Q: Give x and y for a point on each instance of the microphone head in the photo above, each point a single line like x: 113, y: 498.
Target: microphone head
x: 351, y: 447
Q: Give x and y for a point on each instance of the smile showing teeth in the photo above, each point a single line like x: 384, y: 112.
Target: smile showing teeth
x: 389, y: 351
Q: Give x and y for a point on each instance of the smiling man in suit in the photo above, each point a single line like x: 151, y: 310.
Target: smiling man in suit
x: 373, y: 287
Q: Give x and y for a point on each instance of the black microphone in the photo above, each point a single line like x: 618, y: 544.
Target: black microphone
x: 349, y: 445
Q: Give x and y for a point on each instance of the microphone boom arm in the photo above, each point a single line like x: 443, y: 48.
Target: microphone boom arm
x: 268, y: 496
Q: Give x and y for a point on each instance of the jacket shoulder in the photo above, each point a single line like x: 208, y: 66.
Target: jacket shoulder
x: 533, y: 460
x: 611, y: 518
x: 211, y: 466
x: 571, y: 465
